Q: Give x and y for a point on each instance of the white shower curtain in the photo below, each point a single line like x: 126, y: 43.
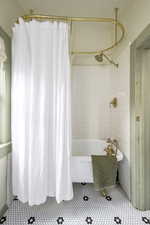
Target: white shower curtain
x: 41, y: 112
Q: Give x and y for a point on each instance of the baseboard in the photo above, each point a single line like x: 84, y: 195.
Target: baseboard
x: 3, y: 210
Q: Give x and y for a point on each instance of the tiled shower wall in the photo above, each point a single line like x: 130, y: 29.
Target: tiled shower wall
x: 120, y: 116
x: 90, y: 101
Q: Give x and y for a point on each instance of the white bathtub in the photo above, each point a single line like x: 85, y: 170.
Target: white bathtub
x: 81, y: 164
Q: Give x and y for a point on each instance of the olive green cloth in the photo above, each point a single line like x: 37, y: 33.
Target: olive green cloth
x: 104, y: 171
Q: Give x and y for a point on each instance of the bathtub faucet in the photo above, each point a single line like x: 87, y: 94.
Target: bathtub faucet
x: 112, y: 148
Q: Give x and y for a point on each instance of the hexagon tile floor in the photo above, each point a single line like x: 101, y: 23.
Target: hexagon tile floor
x: 87, y: 207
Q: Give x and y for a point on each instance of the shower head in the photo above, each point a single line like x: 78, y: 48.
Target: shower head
x: 99, y: 58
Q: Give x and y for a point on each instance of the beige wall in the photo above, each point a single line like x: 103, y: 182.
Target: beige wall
x: 91, y: 36
x: 135, y: 19
x: 9, y: 11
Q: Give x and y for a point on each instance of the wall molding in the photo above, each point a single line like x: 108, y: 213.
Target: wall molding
x: 3, y: 210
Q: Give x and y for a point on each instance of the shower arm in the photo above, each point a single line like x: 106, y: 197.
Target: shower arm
x: 110, y: 60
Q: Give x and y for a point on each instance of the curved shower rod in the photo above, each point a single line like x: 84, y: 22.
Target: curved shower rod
x: 82, y: 19
x: 101, y: 52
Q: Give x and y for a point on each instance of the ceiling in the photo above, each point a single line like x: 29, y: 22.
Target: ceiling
x: 80, y: 8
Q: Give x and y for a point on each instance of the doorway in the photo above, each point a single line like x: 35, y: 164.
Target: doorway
x: 140, y: 121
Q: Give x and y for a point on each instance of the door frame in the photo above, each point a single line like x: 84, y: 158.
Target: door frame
x: 138, y: 179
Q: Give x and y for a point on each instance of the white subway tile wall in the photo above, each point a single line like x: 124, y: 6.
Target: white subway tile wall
x: 91, y: 95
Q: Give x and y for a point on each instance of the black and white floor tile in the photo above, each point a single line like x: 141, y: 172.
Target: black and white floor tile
x: 87, y: 207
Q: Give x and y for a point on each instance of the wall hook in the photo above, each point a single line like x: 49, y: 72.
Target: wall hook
x: 114, y: 102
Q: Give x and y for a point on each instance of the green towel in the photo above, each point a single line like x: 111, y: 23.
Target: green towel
x: 104, y: 171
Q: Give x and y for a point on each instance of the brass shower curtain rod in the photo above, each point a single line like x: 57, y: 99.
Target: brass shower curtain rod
x: 83, y: 19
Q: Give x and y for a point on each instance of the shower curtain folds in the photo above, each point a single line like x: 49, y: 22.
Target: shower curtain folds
x: 41, y: 112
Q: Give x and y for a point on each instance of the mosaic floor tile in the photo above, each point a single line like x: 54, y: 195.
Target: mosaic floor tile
x: 87, y: 207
